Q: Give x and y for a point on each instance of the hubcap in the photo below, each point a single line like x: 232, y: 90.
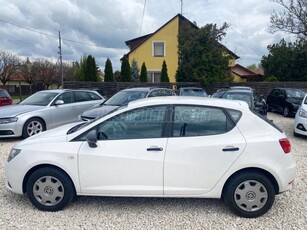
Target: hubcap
x: 34, y: 127
x: 250, y: 195
x: 48, y: 190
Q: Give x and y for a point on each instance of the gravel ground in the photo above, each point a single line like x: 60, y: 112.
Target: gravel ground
x: 288, y: 212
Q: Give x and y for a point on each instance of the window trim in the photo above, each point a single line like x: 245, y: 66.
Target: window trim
x: 153, y: 48
x: 172, y: 115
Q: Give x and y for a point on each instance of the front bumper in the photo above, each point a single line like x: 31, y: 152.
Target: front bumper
x: 13, y: 129
x: 300, y: 125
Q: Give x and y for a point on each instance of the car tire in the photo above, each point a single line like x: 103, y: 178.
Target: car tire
x: 50, y: 189
x: 33, y: 126
x: 269, y: 108
x: 286, y: 112
x: 249, y: 194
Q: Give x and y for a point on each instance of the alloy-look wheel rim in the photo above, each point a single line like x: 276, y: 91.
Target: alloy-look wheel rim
x: 34, y: 127
x: 251, y: 195
x: 48, y: 191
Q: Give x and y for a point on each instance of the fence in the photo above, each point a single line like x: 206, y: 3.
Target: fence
x: 110, y: 88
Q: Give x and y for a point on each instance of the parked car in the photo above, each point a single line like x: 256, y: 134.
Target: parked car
x: 158, y: 147
x: 254, y: 100
x: 300, y: 122
x: 124, y: 97
x: 45, y: 110
x: 5, y: 98
x: 285, y: 100
x: 192, y: 91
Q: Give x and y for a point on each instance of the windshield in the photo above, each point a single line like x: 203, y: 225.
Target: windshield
x: 239, y: 96
x: 4, y: 94
x: 123, y: 97
x: 39, y: 98
x: 295, y: 93
x: 85, y: 124
x: 193, y: 92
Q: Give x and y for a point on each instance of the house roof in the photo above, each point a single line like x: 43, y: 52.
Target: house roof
x: 244, y: 72
x: 136, y: 42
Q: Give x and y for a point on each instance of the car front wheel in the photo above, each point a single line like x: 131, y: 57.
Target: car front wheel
x: 50, y: 189
x: 249, y: 194
x: 286, y: 112
x: 32, y: 127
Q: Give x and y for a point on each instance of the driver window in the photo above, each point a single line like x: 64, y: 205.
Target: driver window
x: 136, y: 124
x: 67, y: 97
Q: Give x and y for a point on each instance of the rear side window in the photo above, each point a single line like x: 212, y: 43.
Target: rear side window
x: 4, y: 94
x: 200, y: 121
x: 234, y: 114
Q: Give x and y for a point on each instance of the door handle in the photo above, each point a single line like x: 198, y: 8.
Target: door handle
x: 154, y: 148
x: 230, y: 149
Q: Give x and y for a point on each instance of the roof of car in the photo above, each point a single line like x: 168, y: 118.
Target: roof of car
x: 191, y: 88
x: 65, y: 90
x: 144, y: 89
x: 232, y: 104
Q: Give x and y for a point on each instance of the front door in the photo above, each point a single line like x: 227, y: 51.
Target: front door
x: 129, y: 156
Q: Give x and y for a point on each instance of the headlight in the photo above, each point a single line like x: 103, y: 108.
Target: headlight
x: 302, y: 113
x: 8, y: 120
x: 13, y: 153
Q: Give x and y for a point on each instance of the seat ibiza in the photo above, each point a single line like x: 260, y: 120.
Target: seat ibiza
x: 158, y: 147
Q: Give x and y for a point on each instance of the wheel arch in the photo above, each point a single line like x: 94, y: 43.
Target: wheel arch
x: 32, y: 170
x: 36, y: 117
x: 253, y: 170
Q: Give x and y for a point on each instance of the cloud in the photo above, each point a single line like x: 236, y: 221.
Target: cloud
x: 105, y: 25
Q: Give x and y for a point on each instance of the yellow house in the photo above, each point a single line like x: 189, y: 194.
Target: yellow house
x: 162, y: 45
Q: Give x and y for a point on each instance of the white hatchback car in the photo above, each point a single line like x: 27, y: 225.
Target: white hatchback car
x: 158, y: 147
x: 300, y: 122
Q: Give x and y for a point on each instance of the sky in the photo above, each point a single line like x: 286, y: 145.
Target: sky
x: 30, y: 28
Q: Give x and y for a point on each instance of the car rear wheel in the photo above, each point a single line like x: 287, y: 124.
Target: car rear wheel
x: 50, y: 189
x: 249, y: 194
x: 32, y: 127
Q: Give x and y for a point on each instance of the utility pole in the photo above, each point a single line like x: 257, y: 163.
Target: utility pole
x: 181, y: 5
x: 61, y: 62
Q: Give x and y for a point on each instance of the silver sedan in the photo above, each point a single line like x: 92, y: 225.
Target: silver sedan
x: 45, y: 110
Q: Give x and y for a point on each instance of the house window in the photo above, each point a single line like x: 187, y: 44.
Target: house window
x: 158, y: 49
x: 153, y: 76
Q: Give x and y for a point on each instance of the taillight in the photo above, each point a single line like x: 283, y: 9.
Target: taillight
x: 285, y: 144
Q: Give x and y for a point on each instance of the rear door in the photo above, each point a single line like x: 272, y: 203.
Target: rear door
x: 203, y: 146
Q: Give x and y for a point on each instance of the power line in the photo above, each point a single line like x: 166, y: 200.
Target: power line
x: 55, y: 36
x: 142, y: 17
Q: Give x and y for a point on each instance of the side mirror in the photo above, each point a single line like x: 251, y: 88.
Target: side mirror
x: 91, y: 138
x: 59, y: 102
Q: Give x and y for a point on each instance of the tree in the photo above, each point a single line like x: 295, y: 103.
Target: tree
x: 125, y: 71
x: 27, y: 73
x: 292, y: 20
x: 202, y: 58
x: 135, y: 76
x: 164, y: 74
x: 117, y: 75
x: 108, y: 71
x: 9, y: 66
x: 88, y: 69
x: 143, y: 77
x: 91, y: 69
x: 81, y: 69
x: 286, y: 61
x: 45, y: 71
